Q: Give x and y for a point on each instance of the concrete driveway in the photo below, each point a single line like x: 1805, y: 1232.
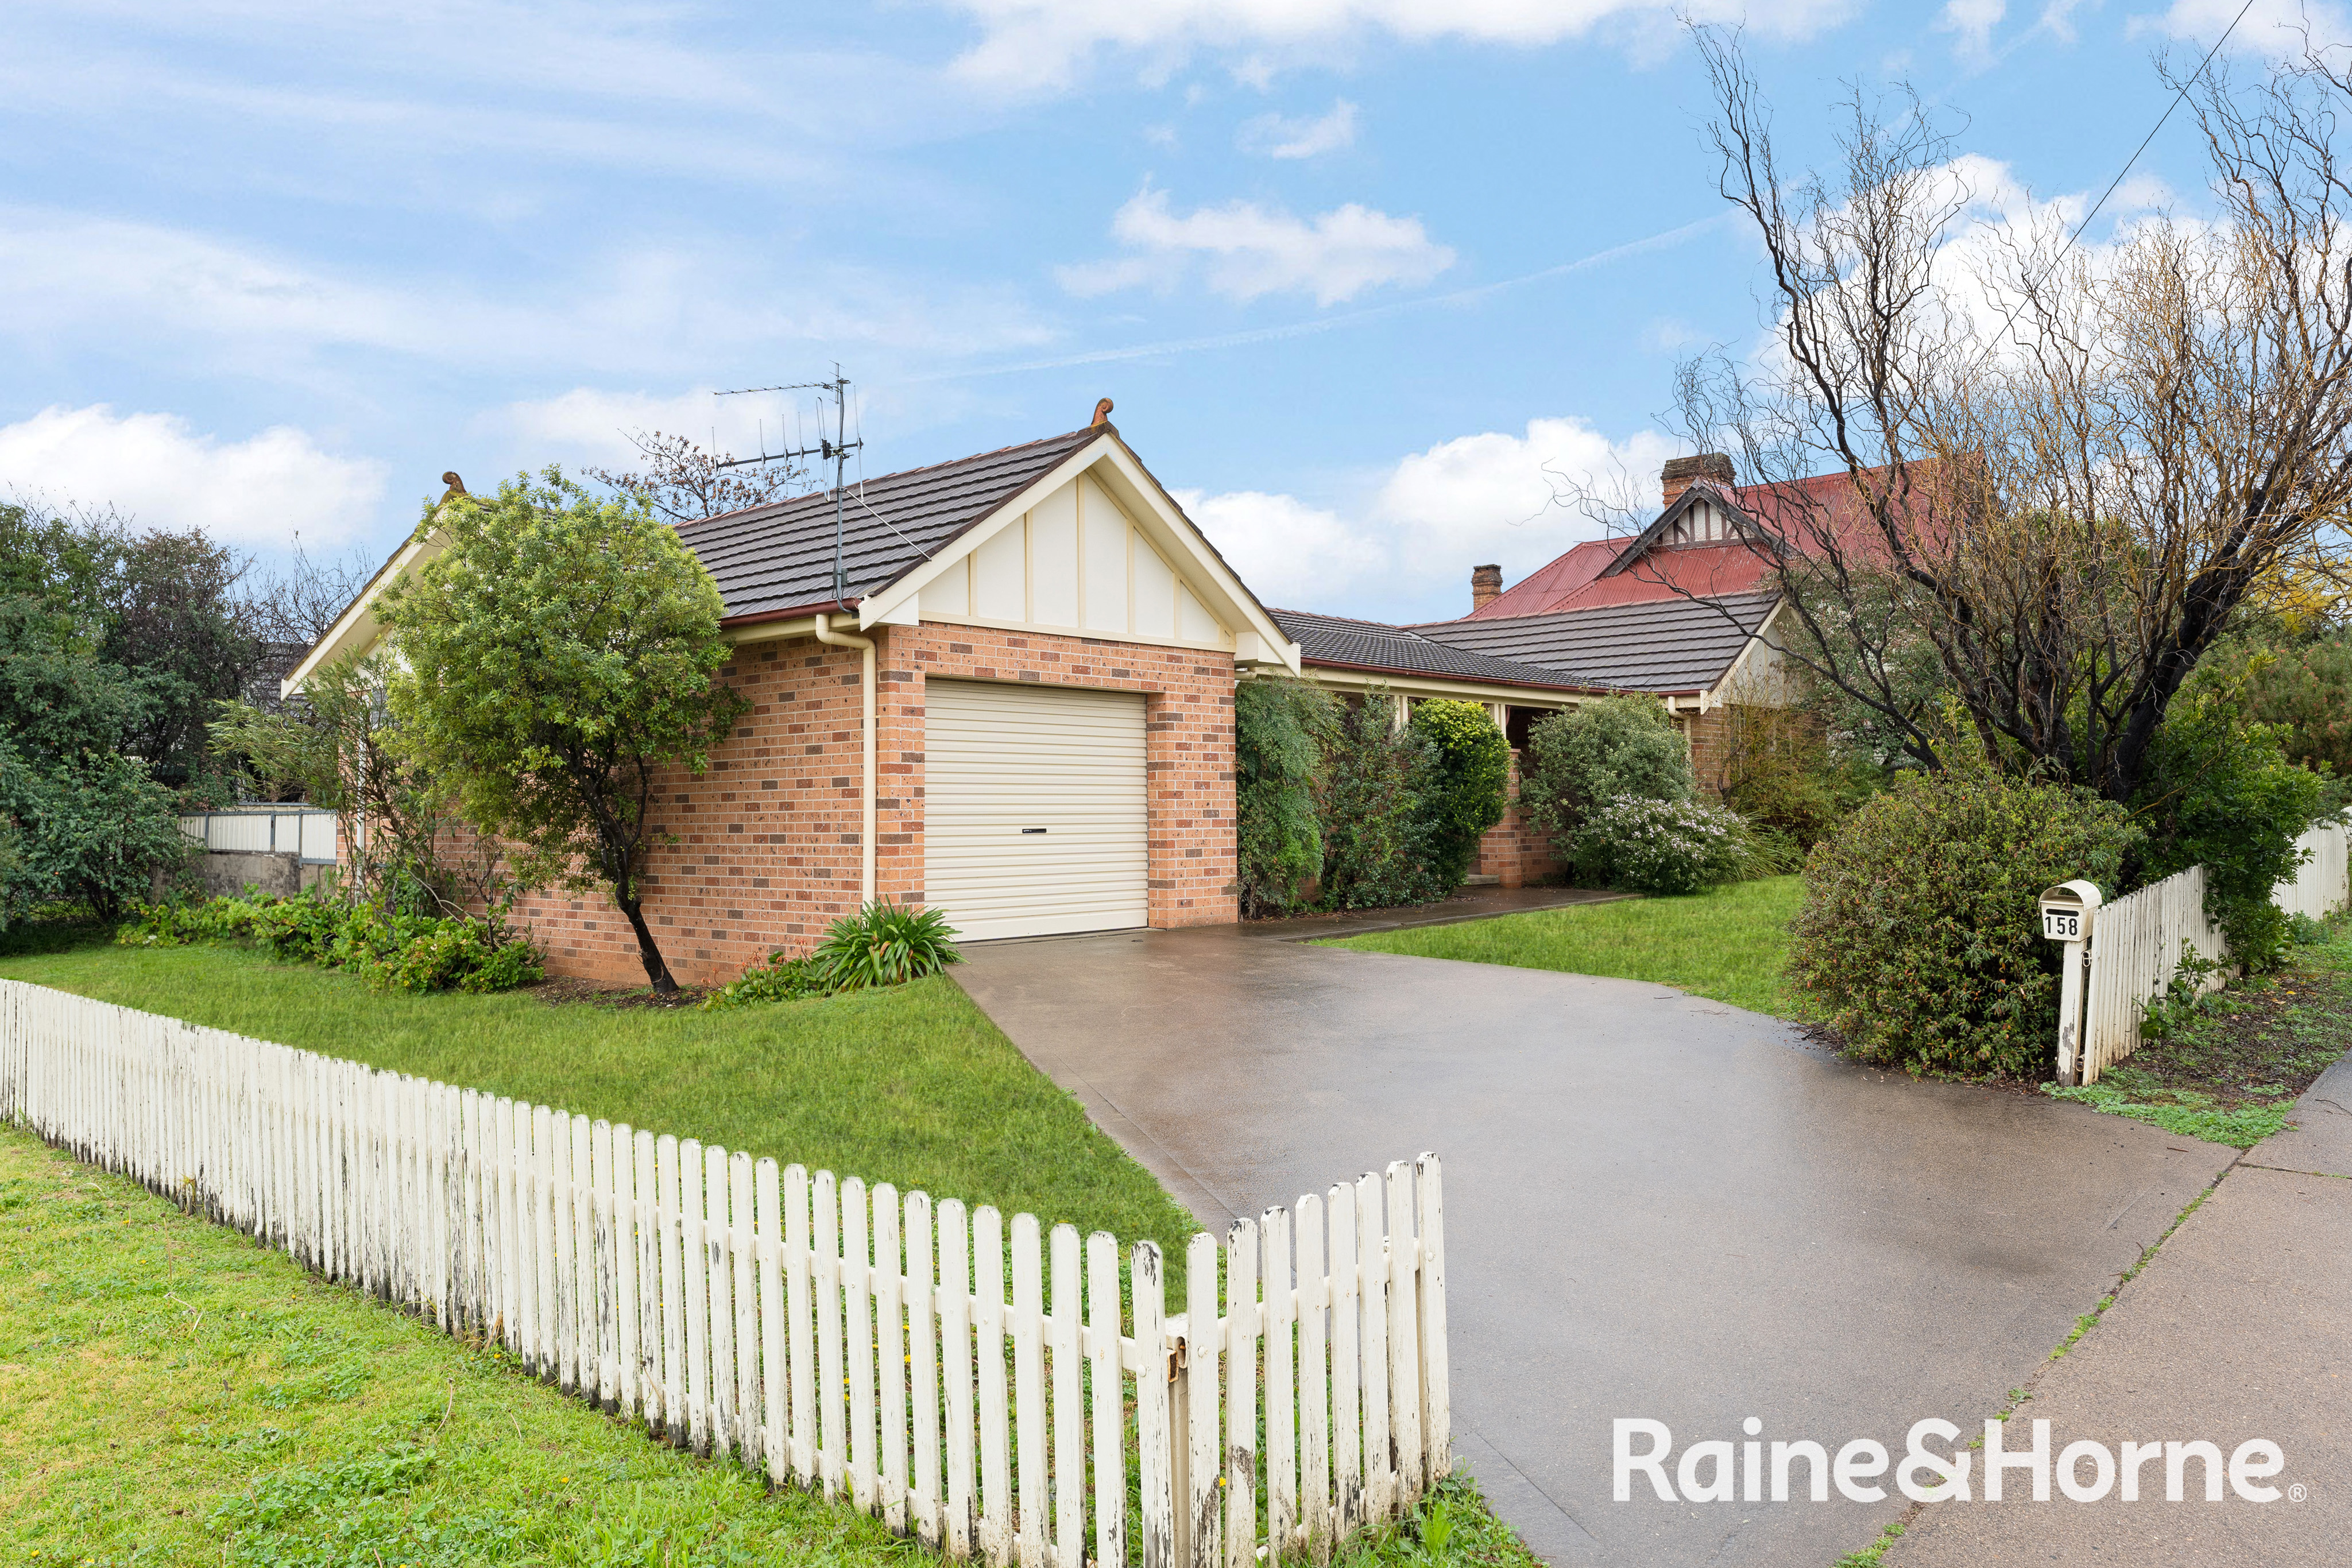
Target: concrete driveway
x: 1657, y: 1206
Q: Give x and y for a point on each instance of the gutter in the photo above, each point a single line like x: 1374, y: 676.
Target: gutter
x: 831, y: 638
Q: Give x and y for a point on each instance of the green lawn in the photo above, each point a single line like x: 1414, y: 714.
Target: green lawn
x: 1728, y: 944
x: 912, y: 1085
x: 172, y: 1393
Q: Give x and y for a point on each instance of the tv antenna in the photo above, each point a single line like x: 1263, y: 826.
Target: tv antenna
x: 834, y: 450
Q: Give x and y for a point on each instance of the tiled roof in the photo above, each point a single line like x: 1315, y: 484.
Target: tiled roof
x: 779, y: 558
x: 1678, y: 645
x: 1333, y: 639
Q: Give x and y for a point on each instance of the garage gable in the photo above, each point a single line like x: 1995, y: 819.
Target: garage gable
x: 1095, y: 549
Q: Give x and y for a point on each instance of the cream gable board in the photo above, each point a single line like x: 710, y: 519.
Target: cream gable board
x: 1075, y: 561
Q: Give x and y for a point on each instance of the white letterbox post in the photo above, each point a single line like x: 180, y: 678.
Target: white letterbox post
x: 2066, y: 911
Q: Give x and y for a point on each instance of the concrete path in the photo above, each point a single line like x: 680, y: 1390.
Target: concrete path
x: 1658, y: 1205
x: 2240, y: 1328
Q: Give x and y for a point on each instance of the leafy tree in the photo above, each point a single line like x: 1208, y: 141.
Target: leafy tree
x: 337, y: 749
x: 1280, y: 730
x: 558, y: 655
x: 2304, y: 687
x: 2219, y: 792
x: 91, y: 830
x: 1468, y: 785
x: 1578, y: 761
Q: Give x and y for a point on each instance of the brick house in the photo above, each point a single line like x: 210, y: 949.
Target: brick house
x: 1002, y: 685
x: 1683, y: 612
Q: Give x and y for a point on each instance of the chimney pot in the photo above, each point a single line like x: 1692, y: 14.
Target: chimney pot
x: 1680, y: 472
x: 1485, y: 586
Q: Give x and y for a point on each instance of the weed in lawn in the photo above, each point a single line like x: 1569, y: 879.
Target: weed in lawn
x: 1728, y: 945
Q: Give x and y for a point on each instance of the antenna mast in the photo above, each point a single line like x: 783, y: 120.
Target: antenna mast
x: 835, y: 451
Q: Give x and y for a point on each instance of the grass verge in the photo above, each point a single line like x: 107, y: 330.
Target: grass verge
x: 171, y: 1393
x: 2226, y: 1067
x: 1730, y: 944
x: 911, y: 1085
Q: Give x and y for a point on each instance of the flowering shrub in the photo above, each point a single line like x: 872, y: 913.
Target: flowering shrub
x: 1663, y: 846
x: 392, y: 952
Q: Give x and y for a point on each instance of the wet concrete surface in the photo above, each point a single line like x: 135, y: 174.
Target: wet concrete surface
x: 1657, y: 1206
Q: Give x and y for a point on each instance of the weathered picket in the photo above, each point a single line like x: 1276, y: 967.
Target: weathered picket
x: 2138, y: 942
x: 2318, y: 885
x: 875, y: 1346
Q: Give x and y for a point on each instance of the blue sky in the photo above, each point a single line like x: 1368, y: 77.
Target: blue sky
x: 1355, y: 271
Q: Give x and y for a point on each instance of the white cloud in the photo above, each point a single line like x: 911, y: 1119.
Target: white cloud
x: 1248, y: 250
x: 1972, y: 22
x: 1037, y: 43
x: 1280, y: 136
x: 667, y: 310
x: 1404, y: 547
x: 260, y: 491
x: 2271, y: 28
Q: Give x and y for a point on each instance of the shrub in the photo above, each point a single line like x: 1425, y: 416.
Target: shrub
x: 884, y: 944
x: 1280, y: 730
x: 1780, y: 775
x: 1466, y: 787
x: 780, y: 979
x: 93, y: 830
x: 1918, y: 935
x: 1616, y: 748
x: 391, y: 951
x: 1374, y: 852
x: 1664, y: 846
x: 2219, y: 792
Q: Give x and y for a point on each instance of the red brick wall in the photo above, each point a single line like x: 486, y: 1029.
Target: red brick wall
x: 1513, y: 851
x: 768, y: 840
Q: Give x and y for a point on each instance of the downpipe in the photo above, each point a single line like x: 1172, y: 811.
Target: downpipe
x: 833, y: 639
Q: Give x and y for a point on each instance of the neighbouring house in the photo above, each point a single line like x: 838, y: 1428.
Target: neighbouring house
x: 1018, y: 706
x: 1684, y: 611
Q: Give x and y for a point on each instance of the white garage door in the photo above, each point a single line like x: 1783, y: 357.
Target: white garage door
x: 1033, y: 809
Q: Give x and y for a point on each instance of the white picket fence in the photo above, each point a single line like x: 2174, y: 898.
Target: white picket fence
x: 2137, y: 942
x: 860, y: 1340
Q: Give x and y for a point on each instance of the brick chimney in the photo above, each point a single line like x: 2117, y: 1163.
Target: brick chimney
x: 1713, y: 467
x: 1485, y: 586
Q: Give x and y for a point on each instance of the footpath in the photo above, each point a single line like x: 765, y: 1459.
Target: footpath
x: 2239, y: 1328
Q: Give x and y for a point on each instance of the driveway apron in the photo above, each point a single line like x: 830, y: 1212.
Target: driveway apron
x: 1657, y: 1206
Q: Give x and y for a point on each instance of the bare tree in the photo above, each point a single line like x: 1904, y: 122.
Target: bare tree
x: 2065, y: 473
x: 685, y: 484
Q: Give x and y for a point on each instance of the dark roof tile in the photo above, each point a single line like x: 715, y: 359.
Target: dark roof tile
x: 1662, y: 645
x: 1374, y: 645
x: 776, y: 557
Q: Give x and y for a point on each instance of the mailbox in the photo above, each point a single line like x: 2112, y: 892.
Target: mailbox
x: 2066, y: 911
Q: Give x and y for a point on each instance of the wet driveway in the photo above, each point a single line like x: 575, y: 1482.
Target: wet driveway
x: 1657, y: 1206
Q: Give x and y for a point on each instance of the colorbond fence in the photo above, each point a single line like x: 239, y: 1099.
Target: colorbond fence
x: 308, y: 832
x: 992, y: 1390
x: 2137, y: 941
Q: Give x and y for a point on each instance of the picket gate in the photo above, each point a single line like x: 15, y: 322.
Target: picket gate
x: 893, y: 1351
x: 2138, y: 942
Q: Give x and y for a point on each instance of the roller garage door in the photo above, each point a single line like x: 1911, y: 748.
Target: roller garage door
x: 1033, y: 811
